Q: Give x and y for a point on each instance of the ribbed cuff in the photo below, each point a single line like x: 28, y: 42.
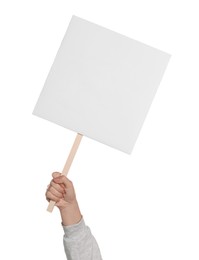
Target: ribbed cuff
x: 73, y: 231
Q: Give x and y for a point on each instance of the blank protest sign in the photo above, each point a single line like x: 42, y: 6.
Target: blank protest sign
x: 101, y: 84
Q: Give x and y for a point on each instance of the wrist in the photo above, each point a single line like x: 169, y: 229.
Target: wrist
x: 71, y: 214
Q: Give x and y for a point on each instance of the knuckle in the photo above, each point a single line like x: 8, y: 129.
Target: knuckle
x: 48, y: 194
x: 51, y: 184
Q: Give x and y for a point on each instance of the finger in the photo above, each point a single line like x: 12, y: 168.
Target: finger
x: 50, y: 196
x: 61, y: 203
x: 47, y: 196
x: 56, y: 174
x: 55, y: 192
x: 63, y: 180
x: 62, y: 185
x: 59, y: 187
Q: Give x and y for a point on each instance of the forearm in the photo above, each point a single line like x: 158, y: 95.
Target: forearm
x: 79, y: 243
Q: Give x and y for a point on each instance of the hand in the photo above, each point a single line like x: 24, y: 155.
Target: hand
x: 61, y: 190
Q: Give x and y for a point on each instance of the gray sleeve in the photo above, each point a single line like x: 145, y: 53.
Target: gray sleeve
x: 79, y: 243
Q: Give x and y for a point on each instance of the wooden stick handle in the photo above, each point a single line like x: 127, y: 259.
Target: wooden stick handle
x: 67, y: 164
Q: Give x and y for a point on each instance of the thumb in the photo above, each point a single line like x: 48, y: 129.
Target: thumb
x: 63, y: 180
x: 56, y: 174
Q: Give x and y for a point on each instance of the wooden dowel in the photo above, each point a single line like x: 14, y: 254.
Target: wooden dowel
x: 67, y: 164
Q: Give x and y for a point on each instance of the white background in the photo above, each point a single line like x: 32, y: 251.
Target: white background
x: 142, y: 206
